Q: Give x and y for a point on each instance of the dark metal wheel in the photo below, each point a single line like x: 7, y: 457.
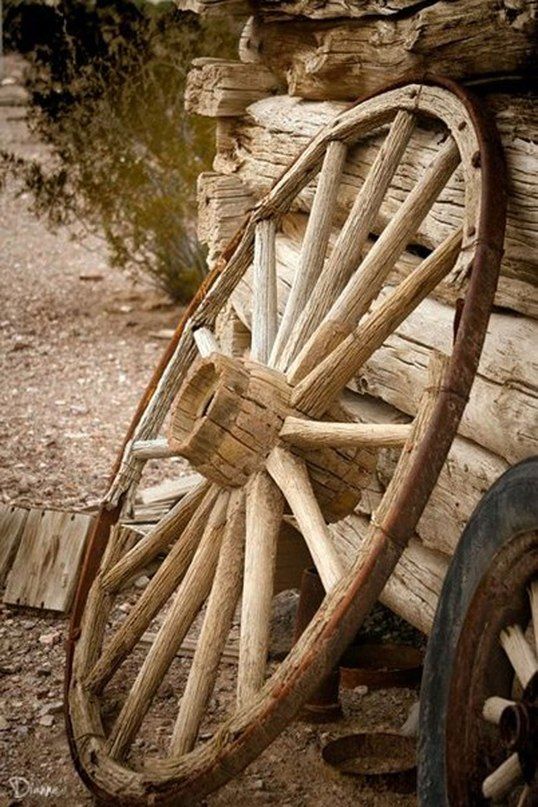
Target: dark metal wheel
x: 479, y: 698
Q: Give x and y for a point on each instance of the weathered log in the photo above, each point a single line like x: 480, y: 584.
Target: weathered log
x: 502, y: 413
x: 415, y: 585
x: 259, y: 147
x: 223, y: 88
x: 467, y: 474
x: 331, y: 9
x: 343, y: 60
x: 223, y: 203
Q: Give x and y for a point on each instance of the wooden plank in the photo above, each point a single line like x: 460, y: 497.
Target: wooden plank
x: 170, y: 489
x: 45, y: 569
x: 224, y: 88
x: 12, y: 521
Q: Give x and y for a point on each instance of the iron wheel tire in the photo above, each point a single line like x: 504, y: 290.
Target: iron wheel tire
x: 483, y: 592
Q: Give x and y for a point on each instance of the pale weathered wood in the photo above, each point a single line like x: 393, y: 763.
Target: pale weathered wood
x: 164, y: 533
x: 186, y: 603
x: 223, y: 204
x: 312, y: 433
x: 206, y: 524
x: 314, y: 246
x: 216, y: 626
x: 522, y: 658
x: 45, y: 569
x: 264, y: 311
x: 12, y: 521
x: 265, y: 505
x: 350, y: 58
x: 414, y: 587
x: 151, y: 449
x: 494, y: 707
x: 499, y: 783
x: 278, y: 129
x: 223, y: 88
x: 329, y: 375
x: 232, y: 333
x: 170, y: 490
x: 291, y: 475
x: 346, y: 254
x: 206, y: 341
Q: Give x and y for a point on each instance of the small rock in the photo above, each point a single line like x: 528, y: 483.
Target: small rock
x: 142, y: 581
x: 258, y: 784
x: 125, y: 607
x: 4, y: 725
x: 50, y: 639
x: 46, y: 720
x: 53, y: 708
x: 410, y: 727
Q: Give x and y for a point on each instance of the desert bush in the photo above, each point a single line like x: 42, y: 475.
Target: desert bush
x: 107, y: 82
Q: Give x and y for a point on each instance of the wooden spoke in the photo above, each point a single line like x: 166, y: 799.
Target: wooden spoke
x: 165, y: 532
x: 152, y: 449
x: 158, y: 590
x: 265, y: 505
x: 347, y: 251
x: 521, y: 656
x: 499, y: 783
x: 206, y: 342
x: 216, y: 626
x: 314, y: 246
x: 352, y: 348
x: 188, y: 600
x: 533, y: 594
x: 494, y: 707
x: 314, y: 433
x: 291, y: 475
x: 264, y: 308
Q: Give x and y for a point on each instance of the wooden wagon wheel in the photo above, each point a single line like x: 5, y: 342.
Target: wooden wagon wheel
x: 482, y: 661
x: 272, y: 437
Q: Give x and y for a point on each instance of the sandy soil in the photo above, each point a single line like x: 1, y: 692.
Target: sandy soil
x: 75, y: 356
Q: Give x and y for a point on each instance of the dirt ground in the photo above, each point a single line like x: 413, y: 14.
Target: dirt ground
x: 76, y: 349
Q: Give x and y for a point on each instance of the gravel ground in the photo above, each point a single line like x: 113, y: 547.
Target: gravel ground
x: 76, y: 350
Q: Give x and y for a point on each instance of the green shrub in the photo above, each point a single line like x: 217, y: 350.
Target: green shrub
x: 107, y: 83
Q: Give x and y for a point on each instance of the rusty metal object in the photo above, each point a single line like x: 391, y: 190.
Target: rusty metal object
x: 383, y: 760
x: 324, y: 704
x: 348, y: 604
x: 379, y: 666
x: 519, y: 729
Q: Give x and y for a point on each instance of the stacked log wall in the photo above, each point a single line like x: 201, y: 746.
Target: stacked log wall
x: 302, y: 58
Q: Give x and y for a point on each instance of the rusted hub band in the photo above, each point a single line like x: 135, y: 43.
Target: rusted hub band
x: 227, y: 417
x: 519, y: 729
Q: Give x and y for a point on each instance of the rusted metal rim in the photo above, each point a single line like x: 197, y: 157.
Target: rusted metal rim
x: 379, y: 666
x: 343, y: 609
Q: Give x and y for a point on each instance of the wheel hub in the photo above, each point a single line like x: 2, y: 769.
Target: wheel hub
x: 519, y: 729
x: 227, y: 418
